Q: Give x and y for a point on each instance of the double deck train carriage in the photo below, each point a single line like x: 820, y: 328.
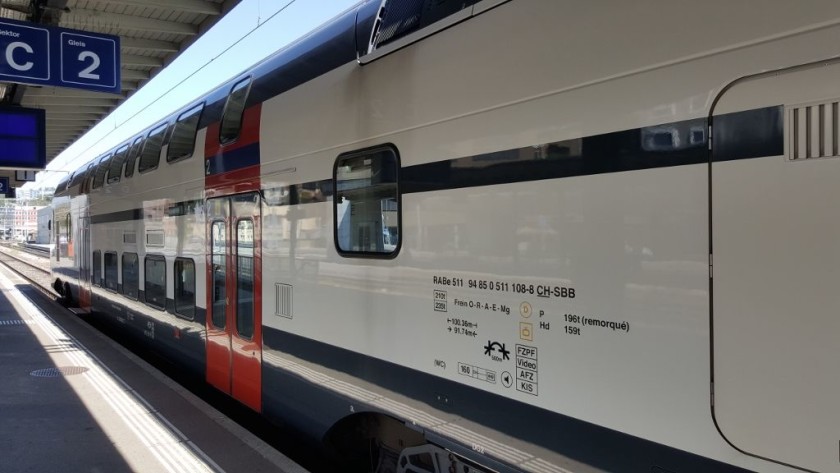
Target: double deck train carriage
x: 495, y: 235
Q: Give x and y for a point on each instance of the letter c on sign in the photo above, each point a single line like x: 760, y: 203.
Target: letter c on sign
x: 10, y: 51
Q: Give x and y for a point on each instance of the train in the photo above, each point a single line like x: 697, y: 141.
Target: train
x: 496, y: 236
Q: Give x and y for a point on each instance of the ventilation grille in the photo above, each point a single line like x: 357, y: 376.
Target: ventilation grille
x: 283, y: 301
x: 813, y: 131
x: 130, y: 238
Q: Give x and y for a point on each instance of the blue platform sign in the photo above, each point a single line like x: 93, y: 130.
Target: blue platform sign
x: 22, y: 138
x: 60, y: 57
x: 4, y: 186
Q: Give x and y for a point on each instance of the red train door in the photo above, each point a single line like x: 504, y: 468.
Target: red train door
x: 234, y: 334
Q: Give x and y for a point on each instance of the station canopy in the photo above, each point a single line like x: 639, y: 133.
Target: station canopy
x: 152, y: 34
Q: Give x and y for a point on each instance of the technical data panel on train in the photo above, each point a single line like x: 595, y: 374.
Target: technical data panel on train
x: 523, y: 338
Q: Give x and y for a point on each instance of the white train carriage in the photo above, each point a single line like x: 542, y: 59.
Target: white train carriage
x: 498, y: 235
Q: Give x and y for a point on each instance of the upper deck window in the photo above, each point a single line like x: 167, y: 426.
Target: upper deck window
x: 182, y: 141
x: 62, y: 185
x: 99, y: 174
x: 150, y: 156
x: 87, y: 178
x: 399, y: 18
x: 115, y: 168
x: 133, y: 154
x: 234, y: 111
x: 77, y: 177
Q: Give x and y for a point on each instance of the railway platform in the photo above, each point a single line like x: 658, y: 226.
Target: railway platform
x: 73, y: 400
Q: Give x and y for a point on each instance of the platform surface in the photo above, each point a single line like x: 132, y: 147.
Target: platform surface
x: 73, y: 400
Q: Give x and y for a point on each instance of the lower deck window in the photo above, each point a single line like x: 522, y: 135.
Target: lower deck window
x: 111, y: 271
x: 155, y: 281
x: 97, y: 268
x: 184, y: 274
x: 130, y: 275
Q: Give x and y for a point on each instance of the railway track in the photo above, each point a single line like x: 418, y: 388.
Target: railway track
x: 32, y: 267
x: 38, y: 250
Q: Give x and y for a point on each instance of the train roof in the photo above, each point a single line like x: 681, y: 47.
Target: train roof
x: 346, y: 38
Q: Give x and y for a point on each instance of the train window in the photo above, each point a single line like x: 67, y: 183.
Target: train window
x: 69, y: 229
x: 150, y: 156
x: 97, y: 268
x: 130, y: 275
x: 155, y: 281
x: 76, y: 179
x: 87, y: 178
x: 399, y: 19
x: 218, y: 251
x: 111, y: 271
x: 101, y: 169
x: 184, y: 275
x: 55, y: 237
x: 234, y: 111
x: 367, y: 203
x: 115, y: 168
x: 245, y: 278
x: 182, y: 141
x: 62, y: 185
x: 133, y: 154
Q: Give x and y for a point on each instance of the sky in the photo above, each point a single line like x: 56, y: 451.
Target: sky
x: 253, y: 30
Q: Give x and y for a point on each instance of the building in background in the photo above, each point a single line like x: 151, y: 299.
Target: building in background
x: 7, y: 218
x: 19, y: 220
x: 26, y: 222
x: 39, y: 196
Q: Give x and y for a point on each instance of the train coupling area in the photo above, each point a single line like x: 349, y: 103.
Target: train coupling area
x: 73, y: 400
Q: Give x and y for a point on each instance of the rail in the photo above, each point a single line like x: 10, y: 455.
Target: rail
x: 39, y: 250
x: 28, y: 265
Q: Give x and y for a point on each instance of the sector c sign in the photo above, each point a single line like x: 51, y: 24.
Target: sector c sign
x: 48, y: 55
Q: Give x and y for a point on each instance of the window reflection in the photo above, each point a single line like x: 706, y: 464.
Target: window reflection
x: 217, y: 235
x: 130, y: 275
x: 184, y: 273
x: 111, y: 271
x: 245, y: 278
x: 367, y: 205
x: 155, y: 281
